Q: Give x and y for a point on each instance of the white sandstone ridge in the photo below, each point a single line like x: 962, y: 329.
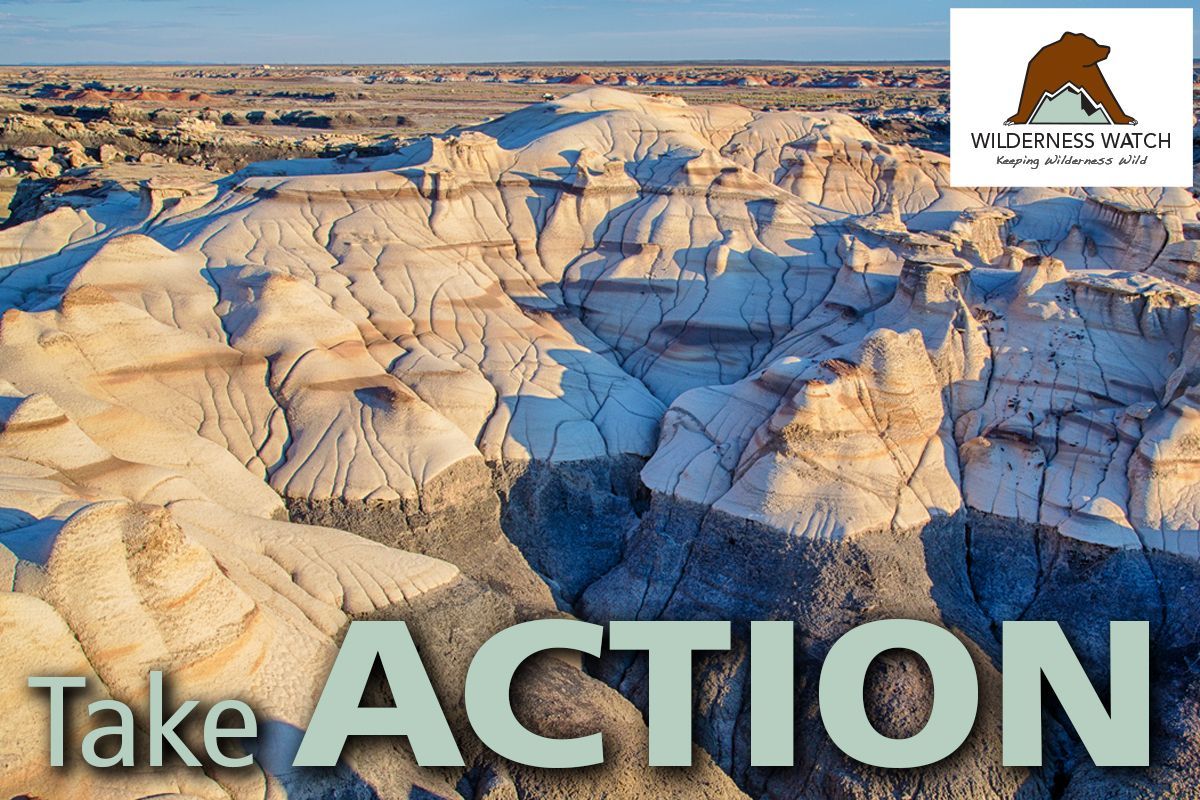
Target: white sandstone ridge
x: 821, y: 447
x: 795, y: 324
x: 1048, y: 396
x: 114, y: 568
x: 541, y: 287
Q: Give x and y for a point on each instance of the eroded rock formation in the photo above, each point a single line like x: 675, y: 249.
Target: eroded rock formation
x: 856, y: 393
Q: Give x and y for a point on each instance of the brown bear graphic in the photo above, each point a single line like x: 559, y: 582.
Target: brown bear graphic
x: 1074, y: 58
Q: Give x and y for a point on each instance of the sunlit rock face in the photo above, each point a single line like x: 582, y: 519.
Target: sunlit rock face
x: 614, y: 354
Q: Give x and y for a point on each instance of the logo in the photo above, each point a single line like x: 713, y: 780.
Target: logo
x: 1064, y: 86
x: 1057, y: 97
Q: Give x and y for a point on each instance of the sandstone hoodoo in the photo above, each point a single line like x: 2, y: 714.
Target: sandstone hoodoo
x: 614, y: 356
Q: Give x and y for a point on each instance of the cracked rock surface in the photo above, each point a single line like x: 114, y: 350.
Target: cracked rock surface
x: 615, y: 356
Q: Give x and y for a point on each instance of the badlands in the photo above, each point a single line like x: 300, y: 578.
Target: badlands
x: 95, y: 118
x: 615, y: 356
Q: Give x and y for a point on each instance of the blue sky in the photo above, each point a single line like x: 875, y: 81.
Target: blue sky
x: 404, y: 31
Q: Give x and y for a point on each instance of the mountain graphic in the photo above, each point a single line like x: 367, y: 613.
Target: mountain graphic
x: 1069, y: 105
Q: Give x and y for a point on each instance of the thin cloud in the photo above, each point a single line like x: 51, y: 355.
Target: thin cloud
x: 714, y: 14
x: 772, y: 31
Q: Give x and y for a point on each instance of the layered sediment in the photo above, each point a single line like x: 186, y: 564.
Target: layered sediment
x: 619, y: 357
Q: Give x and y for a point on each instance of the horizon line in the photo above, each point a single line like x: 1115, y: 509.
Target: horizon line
x: 531, y: 63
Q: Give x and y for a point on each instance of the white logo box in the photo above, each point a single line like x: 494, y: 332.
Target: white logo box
x: 1148, y: 68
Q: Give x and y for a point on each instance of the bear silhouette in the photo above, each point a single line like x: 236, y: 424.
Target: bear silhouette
x: 1075, y: 58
